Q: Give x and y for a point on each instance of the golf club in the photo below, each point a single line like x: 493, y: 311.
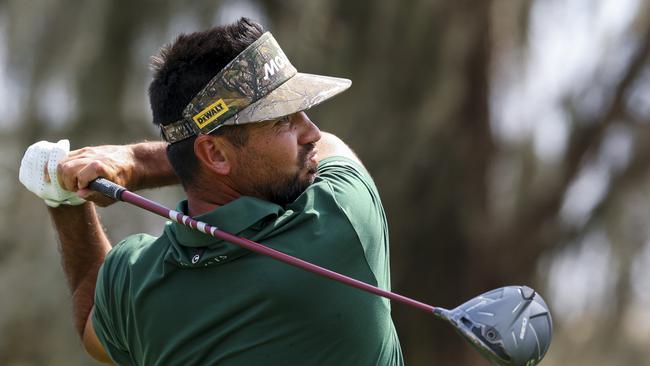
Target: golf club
x: 510, y: 326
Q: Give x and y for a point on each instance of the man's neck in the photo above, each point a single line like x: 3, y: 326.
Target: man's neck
x: 204, y: 199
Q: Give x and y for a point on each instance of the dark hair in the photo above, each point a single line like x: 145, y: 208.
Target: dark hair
x: 182, y: 69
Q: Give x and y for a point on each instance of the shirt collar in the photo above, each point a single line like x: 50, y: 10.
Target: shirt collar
x: 235, y: 217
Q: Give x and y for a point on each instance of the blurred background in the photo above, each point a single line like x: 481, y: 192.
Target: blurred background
x: 509, y: 138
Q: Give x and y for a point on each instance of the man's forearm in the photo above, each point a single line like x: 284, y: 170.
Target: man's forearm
x: 152, y: 167
x: 83, y: 247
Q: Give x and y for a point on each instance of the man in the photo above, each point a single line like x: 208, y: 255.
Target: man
x: 231, y: 106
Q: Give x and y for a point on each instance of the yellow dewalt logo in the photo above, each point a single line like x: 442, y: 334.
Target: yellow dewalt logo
x: 210, y: 113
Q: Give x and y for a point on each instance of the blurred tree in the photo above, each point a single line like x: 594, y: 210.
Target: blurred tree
x: 419, y: 116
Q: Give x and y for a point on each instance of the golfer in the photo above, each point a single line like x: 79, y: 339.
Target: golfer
x: 231, y: 109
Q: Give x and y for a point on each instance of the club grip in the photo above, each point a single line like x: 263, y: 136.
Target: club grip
x: 107, y: 188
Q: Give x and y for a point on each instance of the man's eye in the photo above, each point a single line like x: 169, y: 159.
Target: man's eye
x: 282, y: 121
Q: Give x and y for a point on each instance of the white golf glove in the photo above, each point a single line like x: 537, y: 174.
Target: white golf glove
x: 41, y: 157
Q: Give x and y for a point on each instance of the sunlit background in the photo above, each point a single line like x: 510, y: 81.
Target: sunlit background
x: 510, y: 140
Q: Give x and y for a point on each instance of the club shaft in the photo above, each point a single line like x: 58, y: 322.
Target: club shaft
x: 151, y: 206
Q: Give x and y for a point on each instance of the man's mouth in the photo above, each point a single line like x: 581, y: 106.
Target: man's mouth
x: 311, y: 164
x: 308, y: 159
x: 312, y: 157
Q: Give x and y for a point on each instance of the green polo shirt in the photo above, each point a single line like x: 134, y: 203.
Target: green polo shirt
x: 154, y: 306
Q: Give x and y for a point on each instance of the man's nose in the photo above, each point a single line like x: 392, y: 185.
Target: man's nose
x: 309, y: 132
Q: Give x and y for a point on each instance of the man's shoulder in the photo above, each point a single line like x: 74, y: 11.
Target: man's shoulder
x: 134, y: 243
x: 129, y: 250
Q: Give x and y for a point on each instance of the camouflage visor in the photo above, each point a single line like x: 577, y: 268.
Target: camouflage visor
x: 260, y: 84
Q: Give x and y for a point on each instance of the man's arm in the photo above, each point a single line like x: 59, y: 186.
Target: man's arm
x: 330, y: 145
x: 83, y: 244
x: 152, y: 170
x: 83, y: 247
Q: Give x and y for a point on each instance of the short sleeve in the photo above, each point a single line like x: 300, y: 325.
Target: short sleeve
x: 111, y: 300
x: 355, y: 192
x: 351, y: 182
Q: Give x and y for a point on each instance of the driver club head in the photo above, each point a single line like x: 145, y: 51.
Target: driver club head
x: 510, y: 326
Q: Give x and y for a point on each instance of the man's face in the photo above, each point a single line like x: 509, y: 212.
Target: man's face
x: 279, y: 160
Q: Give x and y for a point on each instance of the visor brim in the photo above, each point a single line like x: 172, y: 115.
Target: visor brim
x: 299, y: 93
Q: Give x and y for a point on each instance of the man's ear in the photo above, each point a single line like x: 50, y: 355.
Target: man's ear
x: 214, y: 153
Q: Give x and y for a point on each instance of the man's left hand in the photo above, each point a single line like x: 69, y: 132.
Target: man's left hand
x: 38, y: 173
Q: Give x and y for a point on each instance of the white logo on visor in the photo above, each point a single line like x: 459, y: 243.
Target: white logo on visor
x: 273, y: 66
